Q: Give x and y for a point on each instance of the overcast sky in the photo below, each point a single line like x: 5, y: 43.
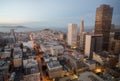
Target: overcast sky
x: 53, y: 13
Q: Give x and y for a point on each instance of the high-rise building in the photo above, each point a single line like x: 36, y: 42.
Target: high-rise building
x: 72, y: 34
x: 82, y: 35
x: 103, y: 23
x: 93, y: 43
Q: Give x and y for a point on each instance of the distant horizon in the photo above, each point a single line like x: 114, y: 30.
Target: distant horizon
x: 55, y: 13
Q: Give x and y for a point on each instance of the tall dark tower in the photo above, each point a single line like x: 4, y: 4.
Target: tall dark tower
x: 103, y: 23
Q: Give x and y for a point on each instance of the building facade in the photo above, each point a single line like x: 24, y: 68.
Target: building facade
x: 93, y: 44
x: 72, y: 34
x: 82, y: 35
x: 103, y: 23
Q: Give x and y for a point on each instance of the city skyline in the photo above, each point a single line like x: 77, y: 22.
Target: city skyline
x: 59, y: 40
x: 39, y: 13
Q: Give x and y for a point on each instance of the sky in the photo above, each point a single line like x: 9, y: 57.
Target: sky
x: 53, y: 13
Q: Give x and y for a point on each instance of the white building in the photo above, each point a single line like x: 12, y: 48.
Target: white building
x: 72, y: 34
x: 82, y: 34
x: 93, y: 43
x: 29, y: 44
x: 61, y: 36
x: 58, y: 49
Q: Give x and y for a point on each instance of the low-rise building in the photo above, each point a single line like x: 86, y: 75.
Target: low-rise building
x: 47, y: 58
x: 17, y: 57
x: 54, y: 69
x: 17, y: 60
x: 91, y: 64
x: 31, y: 70
x: 89, y: 76
x: 58, y: 49
x: 74, y: 65
x: 4, y: 55
x: 4, y: 69
x: 105, y: 58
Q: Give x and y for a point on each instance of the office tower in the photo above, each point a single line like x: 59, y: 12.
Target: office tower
x: 103, y: 23
x: 93, y: 43
x: 82, y: 35
x: 72, y: 34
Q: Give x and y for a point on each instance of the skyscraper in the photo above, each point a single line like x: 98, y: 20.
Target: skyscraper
x: 103, y: 23
x: 81, y: 34
x: 72, y: 34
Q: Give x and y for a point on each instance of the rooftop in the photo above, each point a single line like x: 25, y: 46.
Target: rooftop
x: 54, y: 65
x: 17, y: 56
x: 30, y: 63
x: 90, y: 61
x: 89, y: 76
x: 106, y: 54
x: 57, y: 47
x: 5, y: 54
x: 30, y: 66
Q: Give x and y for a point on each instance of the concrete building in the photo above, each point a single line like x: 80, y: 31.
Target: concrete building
x: 105, y: 58
x: 117, y: 42
x: 17, y: 60
x: 74, y: 65
x: 29, y: 44
x: 54, y: 69
x: 47, y: 58
x: 93, y: 43
x: 83, y: 40
x: 4, y: 69
x: 103, y: 23
x: 91, y: 64
x: 89, y: 76
x: 117, y: 47
x: 58, y: 49
x: 61, y: 36
x: 31, y: 70
x: 4, y: 55
x: 17, y: 57
x: 82, y: 35
x: 72, y: 34
x: 112, y: 42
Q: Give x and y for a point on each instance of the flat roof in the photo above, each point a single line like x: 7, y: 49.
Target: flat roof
x: 17, y: 56
x: 90, y: 61
x: 31, y: 70
x: 89, y: 76
x: 54, y: 65
x: 30, y: 62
